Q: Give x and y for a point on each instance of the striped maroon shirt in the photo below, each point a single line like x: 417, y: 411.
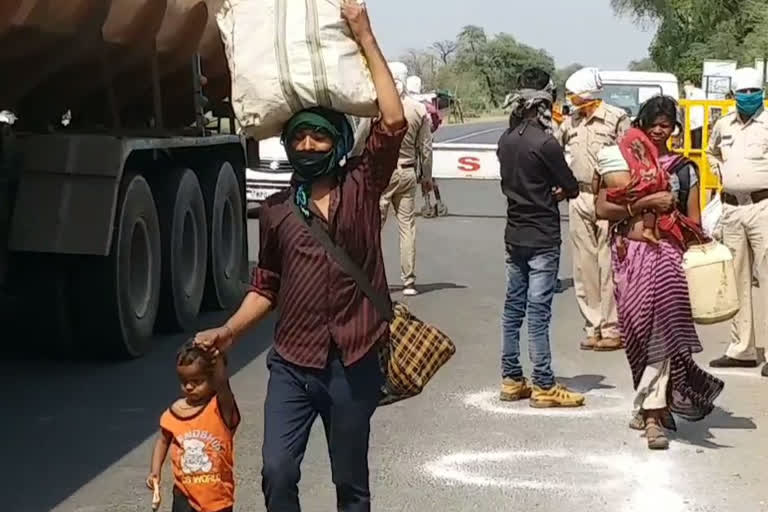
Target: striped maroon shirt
x: 317, y: 303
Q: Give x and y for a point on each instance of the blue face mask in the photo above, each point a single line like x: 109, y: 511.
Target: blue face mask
x: 748, y: 103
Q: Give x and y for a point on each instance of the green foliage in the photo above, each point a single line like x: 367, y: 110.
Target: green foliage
x: 481, y: 70
x: 691, y: 31
x: 646, y: 64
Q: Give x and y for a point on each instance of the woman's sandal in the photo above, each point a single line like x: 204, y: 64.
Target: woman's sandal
x: 657, y: 438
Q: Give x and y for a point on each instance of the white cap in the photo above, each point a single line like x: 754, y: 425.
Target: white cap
x: 584, y: 82
x: 747, y: 78
x: 413, y: 85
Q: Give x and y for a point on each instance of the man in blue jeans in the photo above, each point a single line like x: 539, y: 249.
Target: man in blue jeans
x: 535, y: 178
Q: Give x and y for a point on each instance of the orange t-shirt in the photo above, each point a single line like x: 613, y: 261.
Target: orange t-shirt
x: 203, y: 457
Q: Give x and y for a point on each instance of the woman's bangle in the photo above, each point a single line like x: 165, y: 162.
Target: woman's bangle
x: 629, y: 211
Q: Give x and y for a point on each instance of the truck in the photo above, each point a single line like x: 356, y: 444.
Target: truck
x: 122, y: 205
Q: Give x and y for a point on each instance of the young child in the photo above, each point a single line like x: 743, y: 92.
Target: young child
x: 199, y: 429
x: 645, y: 177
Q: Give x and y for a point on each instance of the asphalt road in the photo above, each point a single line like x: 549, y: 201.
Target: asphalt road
x: 471, y: 133
x: 77, y: 436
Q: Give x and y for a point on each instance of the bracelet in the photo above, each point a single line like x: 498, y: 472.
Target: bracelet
x: 629, y: 211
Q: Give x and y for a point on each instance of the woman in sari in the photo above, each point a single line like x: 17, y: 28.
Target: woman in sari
x: 651, y: 291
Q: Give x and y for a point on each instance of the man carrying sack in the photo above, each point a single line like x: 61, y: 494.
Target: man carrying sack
x: 325, y: 359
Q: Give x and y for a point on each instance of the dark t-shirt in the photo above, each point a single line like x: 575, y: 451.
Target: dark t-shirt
x: 532, y: 163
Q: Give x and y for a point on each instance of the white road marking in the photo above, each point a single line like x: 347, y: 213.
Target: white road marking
x: 750, y: 374
x: 473, y: 134
x: 454, y: 468
x: 646, y: 478
x: 488, y: 401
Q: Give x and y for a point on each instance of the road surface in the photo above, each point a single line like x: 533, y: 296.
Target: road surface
x: 78, y: 436
x: 471, y: 133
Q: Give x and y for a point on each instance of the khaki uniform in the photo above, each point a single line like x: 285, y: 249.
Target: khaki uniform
x: 583, y: 138
x: 738, y: 152
x: 415, y: 156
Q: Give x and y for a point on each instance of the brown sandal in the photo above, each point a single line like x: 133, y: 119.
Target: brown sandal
x: 657, y: 438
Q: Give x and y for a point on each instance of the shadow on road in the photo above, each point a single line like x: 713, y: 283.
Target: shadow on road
x: 67, y: 422
x: 700, y: 433
x: 429, y: 287
x: 563, y: 285
x: 585, y: 383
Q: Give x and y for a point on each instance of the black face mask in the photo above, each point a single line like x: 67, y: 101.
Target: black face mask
x: 310, y: 165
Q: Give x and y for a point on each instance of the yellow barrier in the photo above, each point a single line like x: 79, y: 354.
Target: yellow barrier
x: 713, y: 110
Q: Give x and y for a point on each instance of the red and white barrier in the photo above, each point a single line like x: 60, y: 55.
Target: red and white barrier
x: 465, y: 161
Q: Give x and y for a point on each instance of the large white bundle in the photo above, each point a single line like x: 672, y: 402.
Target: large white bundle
x: 287, y: 55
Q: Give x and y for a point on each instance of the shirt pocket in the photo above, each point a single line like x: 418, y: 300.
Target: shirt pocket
x: 599, y: 138
x: 726, y: 147
x: 756, y: 147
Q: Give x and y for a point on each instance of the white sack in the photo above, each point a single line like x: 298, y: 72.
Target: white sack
x: 288, y: 55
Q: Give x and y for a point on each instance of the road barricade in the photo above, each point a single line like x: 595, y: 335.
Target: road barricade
x: 710, y: 111
x: 465, y: 161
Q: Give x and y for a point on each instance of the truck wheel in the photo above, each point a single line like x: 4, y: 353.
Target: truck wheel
x: 224, y: 208
x: 131, y: 274
x: 184, y: 235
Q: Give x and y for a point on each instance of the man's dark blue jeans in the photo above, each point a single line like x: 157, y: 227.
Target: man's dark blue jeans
x: 345, y: 399
x: 531, y: 282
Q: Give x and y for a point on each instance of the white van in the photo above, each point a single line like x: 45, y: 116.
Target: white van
x: 630, y: 89
x: 272, y: 173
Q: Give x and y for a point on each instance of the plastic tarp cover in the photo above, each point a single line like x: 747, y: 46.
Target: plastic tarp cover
x: 288, y: 55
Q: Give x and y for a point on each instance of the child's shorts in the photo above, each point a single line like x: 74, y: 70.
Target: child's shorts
x: 181, y: 503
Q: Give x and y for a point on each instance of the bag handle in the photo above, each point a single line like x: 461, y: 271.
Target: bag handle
x: 340, y: 256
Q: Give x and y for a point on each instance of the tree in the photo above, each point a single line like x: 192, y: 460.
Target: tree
x: 445, y: 49
x: 691, y: 31
x: 645, y: 64
x: 472, y: 49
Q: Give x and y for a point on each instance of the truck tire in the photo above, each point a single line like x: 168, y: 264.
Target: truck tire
x: 184, y: 234
x: 226, y: 236
x: 122, y: 320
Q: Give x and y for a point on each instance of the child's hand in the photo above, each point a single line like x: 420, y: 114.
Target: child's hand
x: 153, y: 483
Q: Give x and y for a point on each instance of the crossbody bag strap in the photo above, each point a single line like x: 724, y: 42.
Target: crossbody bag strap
x: 340, y: 256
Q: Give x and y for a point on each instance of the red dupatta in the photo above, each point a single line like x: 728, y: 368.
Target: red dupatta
x: 648, y: 176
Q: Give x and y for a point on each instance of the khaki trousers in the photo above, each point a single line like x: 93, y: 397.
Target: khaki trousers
x: 401, y: 194
x: 745, y: 233
x: 652, y: 391
x: 592, y: 274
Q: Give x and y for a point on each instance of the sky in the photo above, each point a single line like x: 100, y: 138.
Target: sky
x: 586, y: 32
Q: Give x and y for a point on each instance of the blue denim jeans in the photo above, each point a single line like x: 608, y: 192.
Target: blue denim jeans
x: 531, y: 283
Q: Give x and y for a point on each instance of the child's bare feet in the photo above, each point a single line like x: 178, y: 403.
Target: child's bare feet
x: 650, y: 235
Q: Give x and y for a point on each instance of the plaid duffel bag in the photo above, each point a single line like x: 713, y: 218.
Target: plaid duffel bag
x: 412, y: 355
x: 415, y: 350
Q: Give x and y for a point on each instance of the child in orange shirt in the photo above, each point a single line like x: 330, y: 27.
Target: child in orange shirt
x: 199, y: 429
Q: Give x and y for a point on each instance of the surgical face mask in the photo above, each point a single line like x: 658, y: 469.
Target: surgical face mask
x: 748, y: 103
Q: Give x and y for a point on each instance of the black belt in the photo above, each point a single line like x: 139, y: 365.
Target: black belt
x: 407, y: 166
x: 585, y: 187
x: 758, y: 196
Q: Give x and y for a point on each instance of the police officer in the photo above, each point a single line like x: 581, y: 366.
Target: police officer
x: 738, y: 152
x: 591, y: 126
